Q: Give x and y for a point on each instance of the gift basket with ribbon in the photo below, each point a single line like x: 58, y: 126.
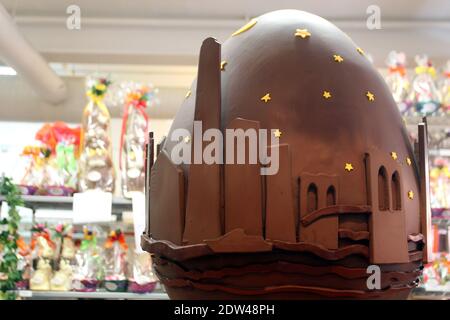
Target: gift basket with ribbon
x: 424, y: 94
x: 445, y: 88
x: 89, y: 263
x: 133, y: 136
x: 36, y: 160
x: 96, y: 165
x: 61, y: 169
x: 116, y: 250
x: 397, y: 80
x: 142, y: 278
x: 43, y: 249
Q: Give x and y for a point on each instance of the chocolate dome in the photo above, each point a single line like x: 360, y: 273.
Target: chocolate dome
x: 347, y: 192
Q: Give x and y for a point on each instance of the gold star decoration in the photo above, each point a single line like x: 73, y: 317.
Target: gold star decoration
x: 302, y: 33
x: 408, y: 161
x: 326, y: 94
x: 277, y: 133
x: 394, y: 155
x: 360, y: 51
x: 266, y: 98
x: 410, y: 194
x: 246, y: 27
x: 348, y: 167
x: 187, y: 139
x: 370, y: 96
x: 222, y: 65
x: 338, y: 58
x: 188, y: 94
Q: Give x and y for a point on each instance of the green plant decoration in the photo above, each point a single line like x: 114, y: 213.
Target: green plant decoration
x: 9, y: 274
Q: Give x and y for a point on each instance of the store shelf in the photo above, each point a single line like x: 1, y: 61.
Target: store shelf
x: 422, y: 294
x: 442, y: 120
x: 441, y: 221
x: 43, y: 295
x: 119, y: 205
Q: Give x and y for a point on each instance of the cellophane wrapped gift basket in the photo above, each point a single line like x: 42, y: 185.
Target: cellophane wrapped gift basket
x: 96, y: 165
x: 116, y: 250
x: 136, y: 98
x: 89, y: 270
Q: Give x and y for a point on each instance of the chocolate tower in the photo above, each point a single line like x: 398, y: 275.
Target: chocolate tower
x: 350, y: 191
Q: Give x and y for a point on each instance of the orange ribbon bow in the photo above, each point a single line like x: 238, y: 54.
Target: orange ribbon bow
x: 116, y: 236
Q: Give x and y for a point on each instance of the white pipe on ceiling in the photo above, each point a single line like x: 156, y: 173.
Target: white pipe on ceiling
x: 16, y: 52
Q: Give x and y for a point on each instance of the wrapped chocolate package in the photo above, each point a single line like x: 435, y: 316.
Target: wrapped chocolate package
x: 89, y: 269
x: 42, y: 246
x: 424, y: 94
x: 66, y: 151
x: 43, y: 252
x: 23, y: 264
x: 34, y: 158
x: 439, y: 183
x: 445, y: 89
x: 62, y: 278
x: 397, y: 80
x: 133, y: 138
x: 116, y: 250
x: 51, y: 165
x: 96, y: 166
x: 141, y: 279
x: 64, y: 241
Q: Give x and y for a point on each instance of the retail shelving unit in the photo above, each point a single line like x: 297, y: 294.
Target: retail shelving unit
x: 119, y: 205
x: 102, y: 295
x: 421, y: 293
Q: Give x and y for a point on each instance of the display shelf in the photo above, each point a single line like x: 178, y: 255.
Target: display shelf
x: 119, y: 205
x: 421, y: 293
x: 441, y: 221
x: 438, y: 120
x: 103, y: 295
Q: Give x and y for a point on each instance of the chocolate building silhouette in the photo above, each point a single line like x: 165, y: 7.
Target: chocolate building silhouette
x: 351, y: 190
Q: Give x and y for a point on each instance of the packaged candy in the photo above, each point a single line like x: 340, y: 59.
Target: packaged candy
x: 436, y: 275
x: 59, y: 177
x: 53, y: 181
x: 397, y: 80
x: 424, y: 94
x: 62, y: 279
x: 67, y: 166
x: 445, y: 89
x: 65, y: 246
x: 116, y: 262
x: 42, y: 246
x: 133, y: 137
x: 142, y: 279
x: 89, y: 263
x: 35, y: 171
x: 96, y: 166
x: 440, y: 183
x: 41, y: 277
x: 23, y: 264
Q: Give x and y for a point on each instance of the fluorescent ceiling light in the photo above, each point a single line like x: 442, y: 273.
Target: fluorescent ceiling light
x: 7, y: 71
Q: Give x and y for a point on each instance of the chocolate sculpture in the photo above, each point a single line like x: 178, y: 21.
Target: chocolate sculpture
x: 350, y: 191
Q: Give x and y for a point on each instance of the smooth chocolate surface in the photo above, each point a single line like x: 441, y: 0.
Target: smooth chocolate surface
x: 344, y: 197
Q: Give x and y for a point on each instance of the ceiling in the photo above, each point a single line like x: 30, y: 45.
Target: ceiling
x: 170, y: 31
x: 232, y: 9
x: 158, y: 41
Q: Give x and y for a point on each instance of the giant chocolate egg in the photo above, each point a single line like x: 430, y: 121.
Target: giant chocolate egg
x: 346, y: 213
